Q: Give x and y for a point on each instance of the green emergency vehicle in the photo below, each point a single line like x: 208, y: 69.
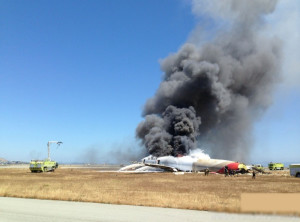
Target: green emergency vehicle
x: 276, y: 166
x: 47, y: 165
x: 258, y: 167
x: 37, y: 166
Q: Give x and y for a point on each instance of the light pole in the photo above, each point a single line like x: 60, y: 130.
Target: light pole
x: 48, y: 144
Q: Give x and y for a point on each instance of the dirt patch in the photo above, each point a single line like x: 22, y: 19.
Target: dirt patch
x: 187, y: 191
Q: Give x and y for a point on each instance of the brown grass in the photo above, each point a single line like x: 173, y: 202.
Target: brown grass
x: 188, y: 191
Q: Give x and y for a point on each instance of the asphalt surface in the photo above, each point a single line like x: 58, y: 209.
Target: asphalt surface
x: 25, y: 210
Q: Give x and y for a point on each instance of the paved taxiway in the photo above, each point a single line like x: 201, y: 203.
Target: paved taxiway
x: 25, y: 210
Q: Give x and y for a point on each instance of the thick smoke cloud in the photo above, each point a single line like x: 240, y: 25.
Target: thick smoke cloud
x: 211, y: 94
x: 174, y: 132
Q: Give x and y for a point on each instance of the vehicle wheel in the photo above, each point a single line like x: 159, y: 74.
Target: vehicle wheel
x: 298, y: 175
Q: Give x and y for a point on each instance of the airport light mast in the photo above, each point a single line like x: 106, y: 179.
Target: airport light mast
x: 48, y: 144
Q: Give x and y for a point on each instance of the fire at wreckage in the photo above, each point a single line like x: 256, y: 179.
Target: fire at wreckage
x: 185, y: 164
x: 213, y: 91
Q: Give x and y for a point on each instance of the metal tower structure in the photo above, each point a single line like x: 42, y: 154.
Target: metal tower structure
x: 48, y: 144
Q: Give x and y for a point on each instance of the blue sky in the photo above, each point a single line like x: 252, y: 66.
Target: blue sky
x: 81, y: 71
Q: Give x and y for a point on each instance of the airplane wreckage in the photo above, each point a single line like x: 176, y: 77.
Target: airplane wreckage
x: 184, y: 164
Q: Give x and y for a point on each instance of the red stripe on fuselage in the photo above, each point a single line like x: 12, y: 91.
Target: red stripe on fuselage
x: 231, y: 166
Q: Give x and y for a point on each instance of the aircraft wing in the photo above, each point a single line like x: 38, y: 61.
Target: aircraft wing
x: 259, y: 170
x: 167, y: 168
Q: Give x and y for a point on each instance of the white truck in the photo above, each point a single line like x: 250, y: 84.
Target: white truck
x: 295, y: 170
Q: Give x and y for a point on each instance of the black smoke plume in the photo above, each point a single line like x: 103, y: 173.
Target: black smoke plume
x: 211, y: 94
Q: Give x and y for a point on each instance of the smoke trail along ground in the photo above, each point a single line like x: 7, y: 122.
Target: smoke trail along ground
x: 211, y: 94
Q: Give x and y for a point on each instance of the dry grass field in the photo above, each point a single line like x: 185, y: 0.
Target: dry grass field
x: 187, y: 191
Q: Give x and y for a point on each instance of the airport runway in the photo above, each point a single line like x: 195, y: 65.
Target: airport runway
x: 25, y: 210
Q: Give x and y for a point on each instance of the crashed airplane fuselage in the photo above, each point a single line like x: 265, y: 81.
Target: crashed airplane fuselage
x: 193, y: 164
